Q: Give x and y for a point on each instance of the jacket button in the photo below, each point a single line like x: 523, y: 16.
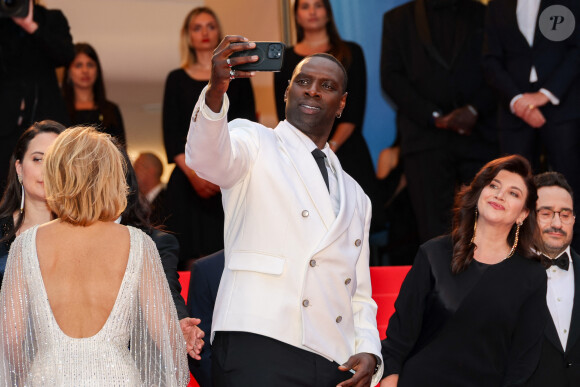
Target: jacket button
x: 305, y: 303
x: 347, y: 281
x: 305, y: 214
x: 312, y: 263
x: 569, y: 364
x: 339, y: 319
x: 357, y: 243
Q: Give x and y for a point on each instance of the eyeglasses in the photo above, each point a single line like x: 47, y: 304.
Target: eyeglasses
x: 546, y: 215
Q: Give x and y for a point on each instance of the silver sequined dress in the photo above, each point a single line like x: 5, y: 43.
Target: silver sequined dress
x: 140, y: 344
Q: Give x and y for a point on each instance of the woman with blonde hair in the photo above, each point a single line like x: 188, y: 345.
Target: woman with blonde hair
x: 86, y: 301
x: 194, y: 206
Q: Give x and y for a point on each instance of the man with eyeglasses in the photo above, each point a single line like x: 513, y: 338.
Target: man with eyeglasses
x: 559, y: 363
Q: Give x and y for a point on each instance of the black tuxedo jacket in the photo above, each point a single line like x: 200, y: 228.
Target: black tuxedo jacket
x: 508, y: 59
x: 420, y: 81
x: 559, y: 368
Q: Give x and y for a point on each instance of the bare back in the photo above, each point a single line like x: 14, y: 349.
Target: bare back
x: 82, y: 269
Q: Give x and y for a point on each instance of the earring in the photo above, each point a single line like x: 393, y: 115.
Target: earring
x: 22, y: 199
x: 339, y: 115
x: 474, y: 228
x: 513, y: 250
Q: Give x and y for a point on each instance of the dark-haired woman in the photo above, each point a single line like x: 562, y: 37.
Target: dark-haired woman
x: 471, y: 310
x: 85, y: 97
x: 23, y: 203
x: 316, y: 33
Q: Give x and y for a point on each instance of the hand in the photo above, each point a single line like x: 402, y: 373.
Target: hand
x: 221, y: 71
x: 390, y: 381
x: 193, y: 336
x: 461, y: 120
x: 528, y: 111
x: 364, y: 365
x: 27, y: 23
x: 204, y: 188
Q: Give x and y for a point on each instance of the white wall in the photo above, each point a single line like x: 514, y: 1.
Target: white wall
x: 137, y: 42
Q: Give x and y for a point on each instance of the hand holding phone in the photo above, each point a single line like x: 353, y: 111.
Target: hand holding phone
x: 270, y: 54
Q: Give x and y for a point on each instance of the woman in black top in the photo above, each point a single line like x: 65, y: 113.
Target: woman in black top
x: 471, y: 310
x: 85, y: 97
x: 18, y: 214
x: 316, y: 33
x: 195, y: 212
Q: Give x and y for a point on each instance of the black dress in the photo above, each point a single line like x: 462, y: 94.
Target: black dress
x: 198, y: 223
x: 107, y: 119
x: 354, y: 154
x: 482, y: 327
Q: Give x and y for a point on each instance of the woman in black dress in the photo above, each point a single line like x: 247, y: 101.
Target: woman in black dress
x: 85, y: 97
x: 195, y: 212
x: 471, y: 310
x: 316, y: 32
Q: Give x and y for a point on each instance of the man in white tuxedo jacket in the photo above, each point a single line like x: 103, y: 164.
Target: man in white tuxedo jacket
x: 294, y: 300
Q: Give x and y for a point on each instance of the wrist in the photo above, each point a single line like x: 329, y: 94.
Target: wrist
x: 378, y: 363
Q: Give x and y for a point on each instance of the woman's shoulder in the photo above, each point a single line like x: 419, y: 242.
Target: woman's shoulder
x: 442, y: 243
x: 530, y: 266
x: 354, y: 47
x: 176, y: 75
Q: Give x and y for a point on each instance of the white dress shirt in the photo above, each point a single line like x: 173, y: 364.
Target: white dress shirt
x: 560, y: 298
x: 332, y: 179
x: 151, y: 195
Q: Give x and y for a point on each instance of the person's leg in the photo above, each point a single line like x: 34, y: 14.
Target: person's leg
x: 246, y: 359
x: 431, y: 185
x: 519, y: 141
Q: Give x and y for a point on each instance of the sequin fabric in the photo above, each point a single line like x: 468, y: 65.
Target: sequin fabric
x: 140, y: 344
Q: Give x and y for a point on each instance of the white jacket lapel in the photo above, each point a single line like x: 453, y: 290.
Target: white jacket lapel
x: 347, y: 192
x: 307, y: 169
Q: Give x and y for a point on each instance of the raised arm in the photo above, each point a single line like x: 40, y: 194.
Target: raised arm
x: 210, y: 150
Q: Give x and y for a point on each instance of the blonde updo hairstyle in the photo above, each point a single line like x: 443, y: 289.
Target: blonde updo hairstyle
x: 84, y: 177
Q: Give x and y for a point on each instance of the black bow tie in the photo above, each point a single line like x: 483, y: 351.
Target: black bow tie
x: 563, y: 262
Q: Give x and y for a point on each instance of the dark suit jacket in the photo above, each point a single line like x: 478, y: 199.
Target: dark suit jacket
x: 420, y: 81
x: 559, y: 368
x: 508, y: 59
x: 168, y: 248
x: 205, y: 279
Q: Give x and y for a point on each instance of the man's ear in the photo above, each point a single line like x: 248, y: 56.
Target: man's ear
x: 341, y: 105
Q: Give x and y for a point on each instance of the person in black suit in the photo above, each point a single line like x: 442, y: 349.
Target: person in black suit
x: 31, y: 48
x: 431, y: 70
x: 559, y: 364
x: 206, y: 274
x: 537, y: 80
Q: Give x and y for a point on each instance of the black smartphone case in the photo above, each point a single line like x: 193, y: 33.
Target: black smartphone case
x: 271, y: 56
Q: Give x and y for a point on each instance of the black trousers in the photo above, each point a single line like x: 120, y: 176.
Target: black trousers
x: 245, y: 359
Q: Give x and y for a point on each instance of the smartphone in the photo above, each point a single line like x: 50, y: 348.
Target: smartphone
x: 271, y: 56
